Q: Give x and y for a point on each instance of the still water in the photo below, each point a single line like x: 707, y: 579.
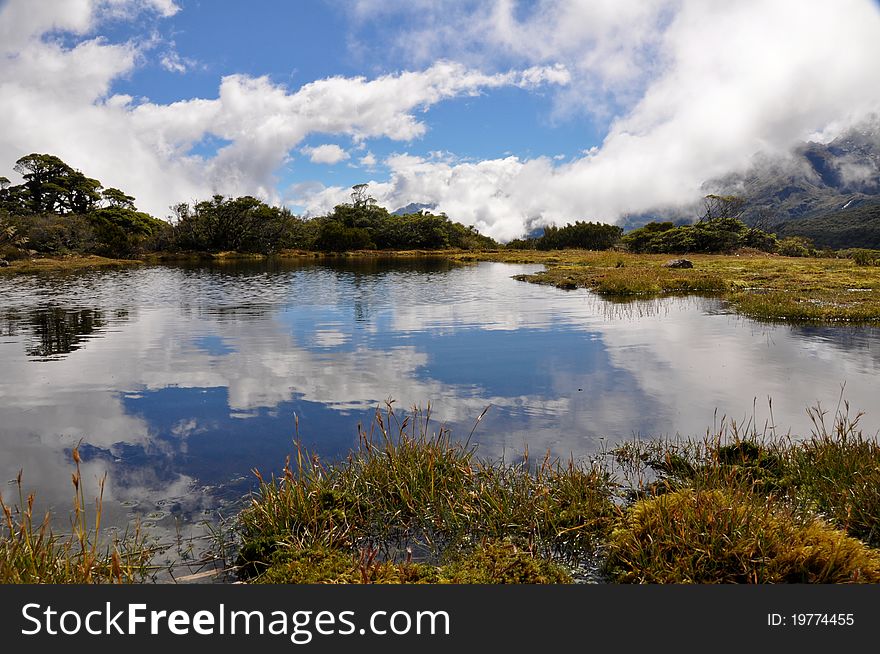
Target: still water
x: 178, y: 381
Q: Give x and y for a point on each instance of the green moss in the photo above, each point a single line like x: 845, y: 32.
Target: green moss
x: 327, y: 566
x: 499, y: 562
x: 492, y: 562
x: 731, y: 536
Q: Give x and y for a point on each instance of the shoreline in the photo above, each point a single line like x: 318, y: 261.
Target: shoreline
x: 792, y: 290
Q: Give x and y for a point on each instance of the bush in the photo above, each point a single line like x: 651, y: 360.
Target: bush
x: 795, y: 246
x: 862, y: 256
x: 57, y: 235
x: 336, y: 237
x: 583, y: 235
x: 723, y: 234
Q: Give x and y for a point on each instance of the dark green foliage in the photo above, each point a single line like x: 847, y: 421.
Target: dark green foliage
x: 647, y: 238
x: 12, y: 242
x: 58, y: 210
x: 334, y: 236
x: 861, y: 256
x: 854, y: 227
x: 582, y: 235
x: 385, y: 231
x: 121, y: 231
x: 222, y: 224
x: 57, y: 235
x: 795, y: 246
x: 51, y: 186
x: 718, y: 234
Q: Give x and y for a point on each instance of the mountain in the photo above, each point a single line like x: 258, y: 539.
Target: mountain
x: 829, y: 192
x: 413, y: 207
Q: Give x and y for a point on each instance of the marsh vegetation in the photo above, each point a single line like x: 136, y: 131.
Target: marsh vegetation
x: 732, y: 507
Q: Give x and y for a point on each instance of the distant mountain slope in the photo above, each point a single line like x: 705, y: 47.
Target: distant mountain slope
x: 815, y: 180
x: 855, y: 226
x: 413, y: 207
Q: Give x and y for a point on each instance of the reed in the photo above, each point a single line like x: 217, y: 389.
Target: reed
x: 407, y: 486
x: 32, y: 552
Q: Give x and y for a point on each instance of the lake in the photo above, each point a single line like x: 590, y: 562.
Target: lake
x: 179, y: 380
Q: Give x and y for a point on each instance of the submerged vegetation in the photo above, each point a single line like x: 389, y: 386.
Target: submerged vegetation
x: 412, y: 505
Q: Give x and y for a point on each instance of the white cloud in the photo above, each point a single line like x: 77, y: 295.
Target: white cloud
x: 368, y: 161
x: 697, y: 87
x: 174, y: 63
x: 329, y: 154
x: 57, y: 99
x: 689, y: 90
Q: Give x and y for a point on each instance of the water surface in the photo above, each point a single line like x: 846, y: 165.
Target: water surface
x: 178, y: 381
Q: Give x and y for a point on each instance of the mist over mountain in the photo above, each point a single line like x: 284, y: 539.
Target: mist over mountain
x: 826, y: 191
x: 814, y: 179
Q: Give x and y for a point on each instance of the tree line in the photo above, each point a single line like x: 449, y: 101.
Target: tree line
x: 58, y: 210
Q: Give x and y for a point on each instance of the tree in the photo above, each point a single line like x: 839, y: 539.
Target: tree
x: 42, y: 174
x: 51, y: 186
x: 360, y: 196
x: 723, y: 206
x: 116, y: 198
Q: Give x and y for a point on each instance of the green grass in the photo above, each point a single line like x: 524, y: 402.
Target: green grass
x: 762, y: 286
x: 410, y: 486
x: 32, y: 553
x: 412, y: 505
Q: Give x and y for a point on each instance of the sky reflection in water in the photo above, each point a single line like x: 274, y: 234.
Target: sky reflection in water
x: 180, y: 380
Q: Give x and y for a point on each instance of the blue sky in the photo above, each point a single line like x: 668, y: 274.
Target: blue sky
x: 296, y: 43
x: 505, y: 114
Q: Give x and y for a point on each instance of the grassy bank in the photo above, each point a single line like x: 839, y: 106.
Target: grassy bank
x: 62, y: 264
x: 410, y: 505
x: 762, y: 286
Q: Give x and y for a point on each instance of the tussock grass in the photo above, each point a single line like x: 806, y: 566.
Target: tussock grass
x: 406, y: 486
x: 838, y: 469
x: 31, y: 552
x: 753, y: 507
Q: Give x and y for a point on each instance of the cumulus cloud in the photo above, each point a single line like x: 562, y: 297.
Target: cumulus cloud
x: 686, y: 91
x: 329, y: 153
x: 58, y: 98
x: 368, y: 161
x: 693, y: 89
